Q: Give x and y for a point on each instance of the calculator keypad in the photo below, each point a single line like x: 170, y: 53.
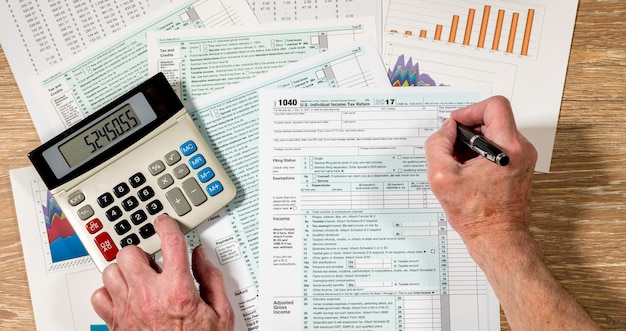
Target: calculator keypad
x: 129, y: 202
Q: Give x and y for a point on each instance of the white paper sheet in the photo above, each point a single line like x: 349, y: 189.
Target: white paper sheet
x: 313, y: 10
x: 305, y: 10
x: 200, y: 61
x: 350, y: 235
x: 52, y: 31
x: 531, y: 77
x: 77, y: 87
x: 229, y: 120
x: 61, y: 275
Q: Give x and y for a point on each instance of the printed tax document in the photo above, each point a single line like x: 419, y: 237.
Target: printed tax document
x: 200, y: 61
x: 518, y: 47
x: 308, y: 10
x: 77, y: 87
x: 229, y: 120
x: 305, y: 10
x: 39, y: 34
x: 351, y: 237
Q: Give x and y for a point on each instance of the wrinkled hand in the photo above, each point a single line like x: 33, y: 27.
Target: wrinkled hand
x: 479, y: 197
x: 138, y: 296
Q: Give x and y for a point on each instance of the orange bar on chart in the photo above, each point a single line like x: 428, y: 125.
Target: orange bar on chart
x: 511, y: 43
x: 408, y: 33
x: 483, y: 27
x: 438, y: 29
x: 527, y: 31
x: 423, y: 34
x: 498, y: 32
x: 455, y: 25
x: 468, y: 26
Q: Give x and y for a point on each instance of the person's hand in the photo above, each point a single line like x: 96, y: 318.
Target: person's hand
x: 137, y: 295
x: 481, y: 198
x: 489, y: 206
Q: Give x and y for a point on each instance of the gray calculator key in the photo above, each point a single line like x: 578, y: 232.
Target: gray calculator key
x: 181, y: 171
x: 177, y: 200
x: 85, y: 212
x: 172, y: 157
x: 165, y: 181
x: 156, y: 167
x: 76, y: 198
x: 194, y: 191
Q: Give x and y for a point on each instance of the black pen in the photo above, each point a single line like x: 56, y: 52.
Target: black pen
x: 480, y: 144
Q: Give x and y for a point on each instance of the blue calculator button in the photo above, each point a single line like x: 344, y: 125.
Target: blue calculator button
x: 188, y: 148
x: 214, y: 188
x: 206, y: 175
x: 197, y: 161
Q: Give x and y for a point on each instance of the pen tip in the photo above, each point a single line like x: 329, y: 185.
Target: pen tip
x: 441, y: 119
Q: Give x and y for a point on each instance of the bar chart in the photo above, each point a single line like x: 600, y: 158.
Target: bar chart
x: 506, y: 27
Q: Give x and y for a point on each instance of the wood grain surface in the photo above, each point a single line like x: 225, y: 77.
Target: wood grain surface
x: 579, y: 208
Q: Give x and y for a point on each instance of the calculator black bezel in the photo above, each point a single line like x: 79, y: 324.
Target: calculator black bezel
x: 161, y: 97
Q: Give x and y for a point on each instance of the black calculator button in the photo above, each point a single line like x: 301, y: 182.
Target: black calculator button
x: 181, y: 171
x: 172, y: 157
x: 147, y: 231
x: 165, y: 181
x: 154, y: 207
x: 130, y: 203
x: 194, y: 191
x: 122, y: 227
x: 114, y: 213
x: 137, y: 180
x: 156, y: 167
x: 85, y: 212
x: 130, y: 240
x: 145, y: 193
x: 121, y: 190
x: 177, y: 200
x: 105, y: 200
x: 138, y: 217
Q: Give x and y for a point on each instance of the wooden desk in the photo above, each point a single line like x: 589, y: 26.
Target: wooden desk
x: 579, y: 208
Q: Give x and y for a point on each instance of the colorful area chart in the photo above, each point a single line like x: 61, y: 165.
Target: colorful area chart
x: 408, y: 74
x: 64, y: 243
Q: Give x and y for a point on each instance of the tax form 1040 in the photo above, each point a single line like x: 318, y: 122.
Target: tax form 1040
x: 351, y: 235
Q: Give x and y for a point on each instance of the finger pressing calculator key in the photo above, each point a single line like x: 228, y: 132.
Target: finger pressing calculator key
x: 138, y: 157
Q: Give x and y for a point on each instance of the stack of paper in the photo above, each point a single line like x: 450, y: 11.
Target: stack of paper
x: 334, y: 225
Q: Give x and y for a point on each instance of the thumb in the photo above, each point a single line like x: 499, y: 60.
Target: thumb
x: 212, y: 288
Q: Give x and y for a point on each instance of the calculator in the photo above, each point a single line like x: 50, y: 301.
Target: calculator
x: 138, y: 157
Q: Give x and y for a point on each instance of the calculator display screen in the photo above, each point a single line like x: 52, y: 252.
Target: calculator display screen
x: 99, y: 135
